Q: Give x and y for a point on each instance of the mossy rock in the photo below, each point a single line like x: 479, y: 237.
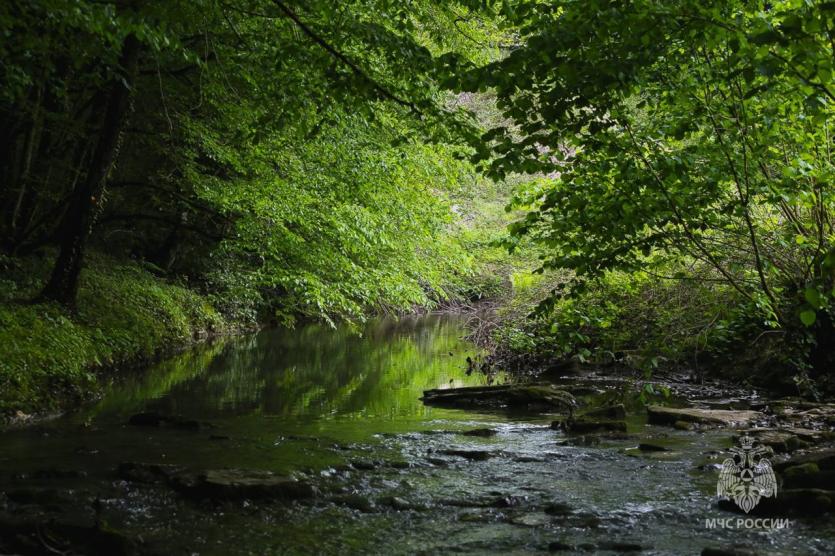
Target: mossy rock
x: 592, y: 426
x: 802, y: 470
x: 611, y: 413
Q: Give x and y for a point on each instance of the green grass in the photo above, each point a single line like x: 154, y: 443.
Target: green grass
x: 50, y: 358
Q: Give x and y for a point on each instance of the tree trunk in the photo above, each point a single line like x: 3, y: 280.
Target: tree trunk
x: 87, y: 199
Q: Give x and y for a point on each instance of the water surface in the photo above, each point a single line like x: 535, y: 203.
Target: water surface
x: 340, y: 409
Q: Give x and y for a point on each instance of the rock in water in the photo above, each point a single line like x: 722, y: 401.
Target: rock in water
x: 473, y: 455
x: 591, y: 426
x: 169, y: 421
x: 218, y: 483
x: 239, y: 484
x: 659, y: 415
x: 480, y: 432
x: 530, y: 396
x: 611, y: 412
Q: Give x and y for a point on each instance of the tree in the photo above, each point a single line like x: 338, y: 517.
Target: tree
x: 695, y: 131
x: 88, y: 198
x: 222, y: 111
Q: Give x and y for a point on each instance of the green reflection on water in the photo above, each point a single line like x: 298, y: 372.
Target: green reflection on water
x: 279, y: 400
x: 307, y: 374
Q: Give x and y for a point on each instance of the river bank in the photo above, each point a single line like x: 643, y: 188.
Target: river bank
x: 126, y: 316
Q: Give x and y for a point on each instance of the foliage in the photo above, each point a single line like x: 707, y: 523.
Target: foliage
x: 692, y: 134
x: 290, y: 159
x: 125, y: 314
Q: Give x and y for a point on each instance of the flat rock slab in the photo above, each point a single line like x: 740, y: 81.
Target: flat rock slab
x: 240, y: 484
x: 218, y: 483
x: 659, y: 415
x: 788, y: 439
x: 529, y: 396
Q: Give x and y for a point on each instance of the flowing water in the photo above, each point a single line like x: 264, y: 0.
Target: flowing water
x: 340, y: 409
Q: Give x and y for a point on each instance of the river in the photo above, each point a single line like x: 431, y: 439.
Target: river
x: 339, y: 409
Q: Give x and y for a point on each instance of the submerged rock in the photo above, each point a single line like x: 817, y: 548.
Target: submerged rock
x: 531, y: 520
x: 485, y: 432
x: 355, y: 502
x: 823, y: 458
x: 169, y: 421
x: 508, y: 501
x: 401, y: 505
x: 620, y: 546
x: 559, y: 546
x: 530, y: 396
x: 730, y: 552
x: 147, y: 472
x: 659, y: 415
x: 645, y: 447
x: 363, y: 465
x: 557, y: 508
x: 48, y: 498
x: 788, y: 439
x: 30, y: 537
x: 583, y: 440
x: 474, y: 455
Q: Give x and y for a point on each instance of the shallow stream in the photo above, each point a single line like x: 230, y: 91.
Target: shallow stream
x: 340, y: 409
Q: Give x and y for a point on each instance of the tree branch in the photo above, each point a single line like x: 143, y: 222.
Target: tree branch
x: 383, y: 91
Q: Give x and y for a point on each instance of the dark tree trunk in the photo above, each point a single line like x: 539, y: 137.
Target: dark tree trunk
x: 167, y: 253
x: 87, y: 199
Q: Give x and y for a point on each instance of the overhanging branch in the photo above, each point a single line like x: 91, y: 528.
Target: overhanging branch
x: 383, y: 91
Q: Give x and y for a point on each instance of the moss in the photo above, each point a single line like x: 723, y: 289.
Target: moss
x: 803, y: 469
x: 49, y: 357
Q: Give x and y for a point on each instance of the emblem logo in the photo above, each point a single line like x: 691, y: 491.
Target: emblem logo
x: 747, y: 476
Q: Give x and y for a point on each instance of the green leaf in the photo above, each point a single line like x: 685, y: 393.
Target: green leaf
x: 808, y: 317
x: 814, y: 297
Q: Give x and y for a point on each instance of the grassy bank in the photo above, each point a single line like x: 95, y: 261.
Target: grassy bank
x: 51, y: 358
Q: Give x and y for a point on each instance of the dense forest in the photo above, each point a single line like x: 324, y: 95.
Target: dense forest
x: 265, y: 264
x: 177, y: 168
